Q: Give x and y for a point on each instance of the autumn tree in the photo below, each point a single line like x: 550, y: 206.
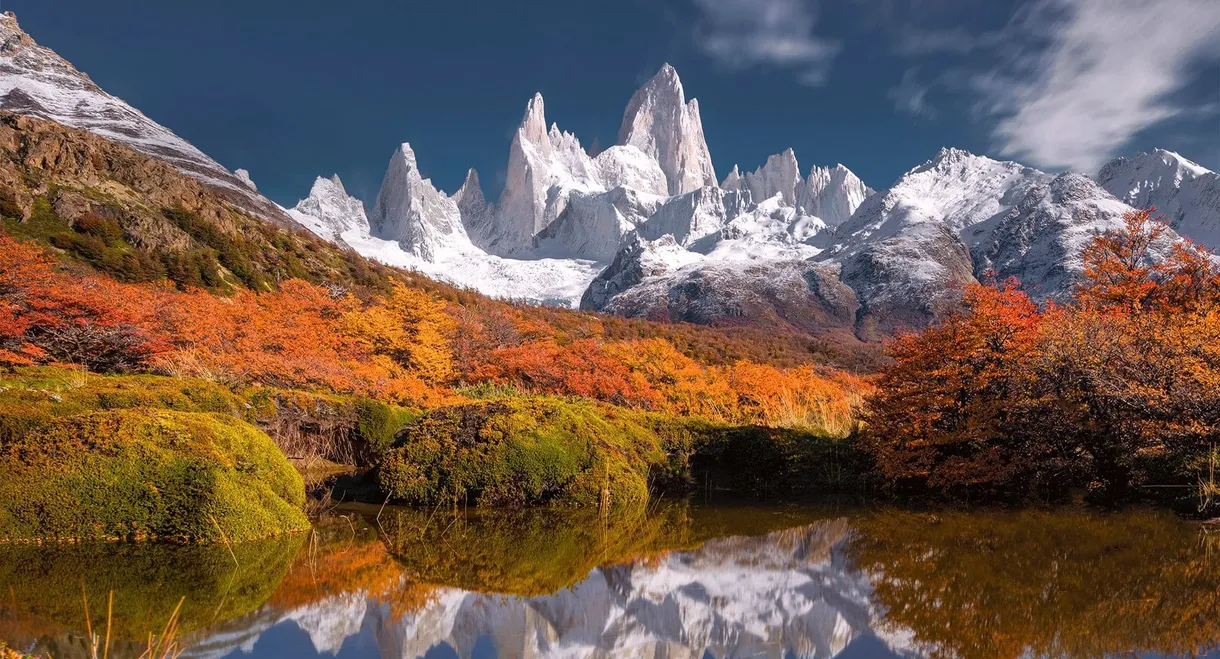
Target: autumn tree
x: 944, y: 412
x: 410, y: 328
x: 1118, y: 386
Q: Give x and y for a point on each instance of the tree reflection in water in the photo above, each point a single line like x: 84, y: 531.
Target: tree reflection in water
x: 676, y: 580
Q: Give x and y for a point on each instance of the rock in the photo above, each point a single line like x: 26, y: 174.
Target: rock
x: 37, y: 82
x: 832, y: 194
x: 779, y: 176
x: 411, y: 211
x: 594, y: 224
x: 543, y: 168
x: 244, y: 177
x: 330, y: 212
x: 790, y: 295
x: 638, y: 260
x: 660, y: 122
x: 1041, y: 239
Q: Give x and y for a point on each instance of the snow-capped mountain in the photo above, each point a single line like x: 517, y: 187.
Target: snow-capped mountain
x: 830, y: 194
x: 36, y: 81
x: 330, y: 212
x: 1040, y: 240
x: 412, y: 212
x: 1188, y: 194
x: 901, y: 250
x: 564, y: 215
x: 664, y: 126
x: 644, y: 228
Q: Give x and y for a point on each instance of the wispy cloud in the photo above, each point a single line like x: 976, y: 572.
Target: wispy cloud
x: 911, y: 40
x: 911, y: 95
x: 777, y: 33
x: 1109, y: 69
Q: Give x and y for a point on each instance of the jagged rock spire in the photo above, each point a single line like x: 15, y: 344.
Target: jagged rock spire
x: 660, y: 122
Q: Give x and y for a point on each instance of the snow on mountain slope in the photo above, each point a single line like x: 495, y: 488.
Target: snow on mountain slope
x: 594, y: 224
x: 546, y: 169
x: 36, y: 81
x: 1188, y: 194
x: 543, y: 167
x: 956, y: 188
x: 637, y: 261
x: 1041, y: 239
x: 901, y: 250
x: 330, y: 212
x: 830, y: 194
x: 660, y: 123
x: 777, y: 293
x: 780, y: 175
x: 336, y: 216
x: 696, y: 218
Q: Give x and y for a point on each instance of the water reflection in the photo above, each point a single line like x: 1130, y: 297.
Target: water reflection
x: 686, y: 581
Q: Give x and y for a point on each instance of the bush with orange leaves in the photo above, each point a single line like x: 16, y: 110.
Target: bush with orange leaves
x: 1116, y: 388
x: 398, y: 346
x: 85, y: 321
x: 394, y: 347
x: 651, y: 374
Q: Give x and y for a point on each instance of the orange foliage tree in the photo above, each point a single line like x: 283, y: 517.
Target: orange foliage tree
x: 1119, y: 386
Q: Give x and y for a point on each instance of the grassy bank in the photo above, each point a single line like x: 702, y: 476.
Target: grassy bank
x: 145, y: 457
x: 85, y: 456
x: 536, y: 451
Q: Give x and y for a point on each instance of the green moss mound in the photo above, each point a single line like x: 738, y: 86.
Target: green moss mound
x: 146, y: 474
x: 340, y: 428
x: 519, y: 452
x: 522, y: 452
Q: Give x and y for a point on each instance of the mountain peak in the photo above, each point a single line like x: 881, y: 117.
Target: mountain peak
x: 35, y: 81
x: 666, y: 78
x: 9, y: 29
x: 1173, y: 158
x: 329, y: 211
x: 244, y: 177
x: 951, y: 154
x: 659, y: 122
x: 408, y: 155
x: 533, y: 124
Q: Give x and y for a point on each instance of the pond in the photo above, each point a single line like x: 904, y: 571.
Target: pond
x: 680, y: 579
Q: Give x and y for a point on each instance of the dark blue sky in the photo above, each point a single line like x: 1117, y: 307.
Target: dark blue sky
x: 290, y: 89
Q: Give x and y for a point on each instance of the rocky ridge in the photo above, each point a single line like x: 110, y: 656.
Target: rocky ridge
x: 35, y: 81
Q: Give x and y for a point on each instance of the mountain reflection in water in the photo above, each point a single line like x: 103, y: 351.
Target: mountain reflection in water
x: 676, y: 581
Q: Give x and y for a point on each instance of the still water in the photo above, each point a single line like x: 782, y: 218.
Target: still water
x: 677, y: 580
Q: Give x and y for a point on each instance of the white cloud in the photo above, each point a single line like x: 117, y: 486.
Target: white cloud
x: 911, y: 95
x: 747, y: 33
x: 1107, y: 70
